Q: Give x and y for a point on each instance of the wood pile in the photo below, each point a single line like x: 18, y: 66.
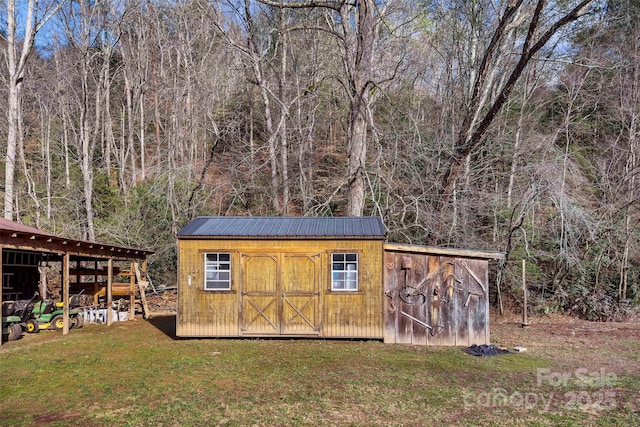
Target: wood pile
x: 163, y: 302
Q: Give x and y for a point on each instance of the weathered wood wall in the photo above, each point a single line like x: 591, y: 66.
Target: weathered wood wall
x: 280, y: 288
x: 434, y: 299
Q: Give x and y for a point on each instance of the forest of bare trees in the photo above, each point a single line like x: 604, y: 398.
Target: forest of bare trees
x: 509, y: 125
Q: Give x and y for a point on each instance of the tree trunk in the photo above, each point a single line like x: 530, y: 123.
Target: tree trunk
x: 16, y: 68
x: 359, y: 29
x: 130, y: 130
x: 12, y: 137
x: 86, y: 150
x: 357, y: 159
x: 284, y: 112
x: 47, y: 154
x: 359, y: 33
x: 143, y: 164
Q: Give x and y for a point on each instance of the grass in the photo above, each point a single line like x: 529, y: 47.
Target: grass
x: 137, y: 374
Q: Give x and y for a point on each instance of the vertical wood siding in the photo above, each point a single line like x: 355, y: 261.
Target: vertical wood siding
x: 280, y: 287
x: 283, y: 288
x: 435, y: 300
x: 301, y: 294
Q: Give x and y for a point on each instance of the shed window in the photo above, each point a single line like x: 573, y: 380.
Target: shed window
x: 217, y: 268
x: 344, y: 272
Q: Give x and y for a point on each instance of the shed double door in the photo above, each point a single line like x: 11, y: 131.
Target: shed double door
x: 280, y: 294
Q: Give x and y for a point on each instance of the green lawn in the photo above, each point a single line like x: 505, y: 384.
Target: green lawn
x: 137, y: 374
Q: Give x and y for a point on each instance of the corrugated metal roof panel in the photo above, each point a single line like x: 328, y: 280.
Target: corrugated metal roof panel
x: 9, y: 225
x: 24, y: 237
x: 284, y: 227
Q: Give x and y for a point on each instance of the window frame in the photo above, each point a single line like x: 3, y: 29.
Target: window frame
x: 217, y: 263
x: 345, y: 271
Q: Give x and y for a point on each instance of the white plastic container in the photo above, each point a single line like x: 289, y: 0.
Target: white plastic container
x: 99, y: 315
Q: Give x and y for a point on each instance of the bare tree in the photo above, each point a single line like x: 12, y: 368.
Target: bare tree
x: 356, y: 25
x: 17, y: 57
x: 255, y: 56
x: 492, y: 84
x: 93, y: 43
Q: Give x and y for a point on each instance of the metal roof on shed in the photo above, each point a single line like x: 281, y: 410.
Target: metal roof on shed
x: 292, y: 227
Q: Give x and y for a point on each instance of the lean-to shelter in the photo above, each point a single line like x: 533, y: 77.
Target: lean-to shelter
x: 87, y: 266
x: 436, y: 296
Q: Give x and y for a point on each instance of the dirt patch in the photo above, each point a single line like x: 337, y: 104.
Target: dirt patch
x: 55, y: 417
x: 573, y: 342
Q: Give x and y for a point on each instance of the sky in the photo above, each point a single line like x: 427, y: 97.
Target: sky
x: 44, y: 37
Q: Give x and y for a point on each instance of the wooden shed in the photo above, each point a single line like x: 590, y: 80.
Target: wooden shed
x: 329, y: 277
x: 280, y: 276
x: 436, y: 296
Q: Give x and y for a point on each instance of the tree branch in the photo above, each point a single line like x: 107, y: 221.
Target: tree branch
x: 469, y: 138
x: 527, y: 54
x: 328, y: 4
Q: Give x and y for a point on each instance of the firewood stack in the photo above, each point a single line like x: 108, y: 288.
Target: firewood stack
x: 163, y: 302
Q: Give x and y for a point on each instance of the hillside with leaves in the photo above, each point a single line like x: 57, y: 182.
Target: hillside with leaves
x: 508, y: 125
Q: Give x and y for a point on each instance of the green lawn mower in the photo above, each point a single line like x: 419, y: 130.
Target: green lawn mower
x: 17, y: 316
x: 49, y: 315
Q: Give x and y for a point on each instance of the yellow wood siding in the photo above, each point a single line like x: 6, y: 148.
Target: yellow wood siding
x: 280, y: 287
x: 200, y: 312
x: 301, y: 294
x: 259, y: 292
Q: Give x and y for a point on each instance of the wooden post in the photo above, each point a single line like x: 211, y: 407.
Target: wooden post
x: 1, y: 286
x: 524, y: 294
x: 109, y: 292
x: 96, y: 279
x: 65, y: 293
x: 141, y: 278
x: 487, y: 310
x: 132, y: 293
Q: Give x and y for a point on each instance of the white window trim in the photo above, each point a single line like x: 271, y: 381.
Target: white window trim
x: 356, y: 272
x: 217, y: 263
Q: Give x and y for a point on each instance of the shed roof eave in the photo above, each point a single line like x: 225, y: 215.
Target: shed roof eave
x: 31, y: 239
x: 192, y: 237
x: 103, y: 254
x: 283, y: 227
x: 435, y: 250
